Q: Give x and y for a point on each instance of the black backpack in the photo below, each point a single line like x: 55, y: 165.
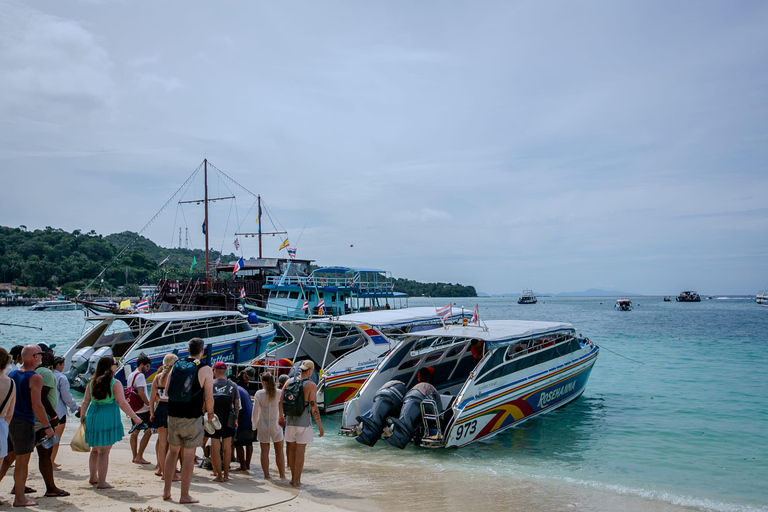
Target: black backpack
x: 182, y: 379
x: 293, y: 397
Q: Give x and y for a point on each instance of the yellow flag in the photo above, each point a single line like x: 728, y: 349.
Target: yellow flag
x: 283, y: 245
x: 125, y: 304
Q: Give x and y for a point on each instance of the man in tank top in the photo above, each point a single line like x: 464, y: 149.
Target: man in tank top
x: 185, y: 423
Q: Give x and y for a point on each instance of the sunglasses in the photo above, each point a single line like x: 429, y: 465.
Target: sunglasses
x: 38, y: 354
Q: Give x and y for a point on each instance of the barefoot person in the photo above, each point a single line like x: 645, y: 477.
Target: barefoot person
x: 158, y: 407
x: 104, y: 397
x: 265, y: 415
x: 21, y: 430
x: 138, y: 381
x: 298, y: 427
x: 66, y: 403
x: 226, y: 405
x: 185, y: 415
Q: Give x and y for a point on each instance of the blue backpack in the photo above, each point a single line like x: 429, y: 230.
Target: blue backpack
x: 182, y: 379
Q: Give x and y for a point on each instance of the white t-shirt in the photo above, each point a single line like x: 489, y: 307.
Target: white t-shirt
x: 137, y: 380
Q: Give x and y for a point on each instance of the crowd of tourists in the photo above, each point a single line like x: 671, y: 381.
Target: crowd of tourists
x: 191, y: 405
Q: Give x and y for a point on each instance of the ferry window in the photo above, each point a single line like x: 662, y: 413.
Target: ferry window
x: 433, y: 357
x: 282, y: 294
x: 410, y: 364
x: 294, y: 295
x: 454, y: 351
x: 272, y: 294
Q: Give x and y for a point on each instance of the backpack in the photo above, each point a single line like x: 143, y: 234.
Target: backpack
x: 293, y: 397
x: 132, y: 396
x: 179, y: 389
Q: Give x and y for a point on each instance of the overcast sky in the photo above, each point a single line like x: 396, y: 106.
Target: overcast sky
x: 554, y: 145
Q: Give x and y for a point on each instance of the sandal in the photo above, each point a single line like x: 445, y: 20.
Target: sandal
x: 61, y: 493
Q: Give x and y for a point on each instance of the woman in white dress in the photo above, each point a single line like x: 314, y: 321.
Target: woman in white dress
x: 264, y: 418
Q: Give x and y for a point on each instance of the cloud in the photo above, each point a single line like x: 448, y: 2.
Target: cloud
x: 423, y: 215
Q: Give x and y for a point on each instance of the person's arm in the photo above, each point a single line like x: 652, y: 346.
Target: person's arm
x: 11, y: 404
x: 256, y: 412
x: 312, y: 399
x: 205, y: 377
x: 85, y: 403
x: 35, y: 389
x: 50, y: 410
x: 65, y: 394
x: 142, y: 391
x: 153, y: 399
x: 281, y: 417
x: 119, y: 394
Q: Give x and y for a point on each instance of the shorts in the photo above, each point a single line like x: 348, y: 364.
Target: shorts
x: 63, y: 420
x: 21, y: 436
x: 3, y: 438
x: 161, y: 415
x: 244, y: 437
x: 186, y: 432
x: 144, y: 417
x: 273, y: 434
x: 299, y: 435
x: 222, y: 433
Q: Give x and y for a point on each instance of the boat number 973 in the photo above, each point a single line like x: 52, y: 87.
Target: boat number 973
x: 466, y: 430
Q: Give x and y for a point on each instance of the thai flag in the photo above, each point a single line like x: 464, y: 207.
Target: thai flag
x: 306, y: 305
x: 143, y: 304
x: 444, y: 312
x: 242, y: 293
x: 240, y: 264
x: 321, y: 304
x: 475, y: 316
x: 237, y: 244
x: 291, y: 252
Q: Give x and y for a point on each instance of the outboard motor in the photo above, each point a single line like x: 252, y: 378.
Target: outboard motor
x: 402, y: 429
x: 82, y: 379
x: 387, y: 402
x: 79, y: 362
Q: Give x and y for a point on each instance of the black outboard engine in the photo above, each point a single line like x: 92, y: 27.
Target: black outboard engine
x: 387, y: 402
x: 404, y: 428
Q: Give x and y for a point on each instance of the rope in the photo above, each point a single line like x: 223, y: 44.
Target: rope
x: 273, y: 504
x: 616, y: 353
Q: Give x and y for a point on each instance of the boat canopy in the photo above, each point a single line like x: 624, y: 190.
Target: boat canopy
x: 171, y: 316
x: 345, y: 270
x: 385, y: 317
x: 500, y: 333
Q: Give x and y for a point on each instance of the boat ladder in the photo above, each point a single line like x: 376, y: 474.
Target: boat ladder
x: 430, y: 415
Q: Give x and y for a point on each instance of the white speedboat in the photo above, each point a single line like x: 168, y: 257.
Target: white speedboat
x: 54, y: 305
x: 527, y: 297
x: 347, y: 348
x: 486, y: 379
x: 623, y: 305
x: 228, y: 337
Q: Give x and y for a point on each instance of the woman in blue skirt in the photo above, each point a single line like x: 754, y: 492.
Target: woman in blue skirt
x: 103, y: 400
x: 158, y: 405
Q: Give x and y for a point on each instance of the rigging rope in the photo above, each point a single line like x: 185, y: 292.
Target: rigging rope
x: 616, y: 353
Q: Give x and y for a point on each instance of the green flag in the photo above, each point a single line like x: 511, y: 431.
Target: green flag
x: 192, y: 267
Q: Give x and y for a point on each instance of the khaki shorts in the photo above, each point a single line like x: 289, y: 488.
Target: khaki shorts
x: 300, y: 435
x: 186, y: 432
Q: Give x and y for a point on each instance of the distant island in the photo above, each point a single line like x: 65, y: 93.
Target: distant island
x: 49, y: 259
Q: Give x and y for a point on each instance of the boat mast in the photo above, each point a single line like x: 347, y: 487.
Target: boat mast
x: 207, y: 275
x: 259, y: 210
x: 259, y: 232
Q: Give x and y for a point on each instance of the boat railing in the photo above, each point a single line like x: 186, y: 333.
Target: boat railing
x: 336, y: 282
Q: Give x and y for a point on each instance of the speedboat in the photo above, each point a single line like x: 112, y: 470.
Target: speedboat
x: 688, y: 296
x: 483, y: 380
x: 54, y: 305
x: 347, y: 348
x: 228, y: 336
x: 623, y: 305
x: 762, y: 298
x: 527, y: 297
x: 330, y: 291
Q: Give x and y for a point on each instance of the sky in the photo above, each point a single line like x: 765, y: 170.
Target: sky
x: 557, y: 146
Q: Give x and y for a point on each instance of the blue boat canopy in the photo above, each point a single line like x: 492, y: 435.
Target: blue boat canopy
x: 345, y: 270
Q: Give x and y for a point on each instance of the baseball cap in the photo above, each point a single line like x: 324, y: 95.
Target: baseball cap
x: 306, y: 365
x: 250, y: 372
x: 219, y: 364
x: 45, y: 347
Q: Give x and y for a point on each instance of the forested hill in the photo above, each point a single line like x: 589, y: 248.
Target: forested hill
x: 51, y: 258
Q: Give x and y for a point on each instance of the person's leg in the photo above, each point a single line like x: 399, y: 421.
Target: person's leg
x: 280, y: 456
x: 227, y: 449
x: 143, y: 446
x: 187, y: 468
x: 291, y: 448
x: 161, y: 448
x: 20, y: 481
x: 297, y: 466
x: 135, y: 446
x: 240, y: 454
x: 46, y: 470
x: 265, y: 459
x: 59, y: 431
x: 170, y: 468
x: 7, y: 462
x: 93, y: 466
x: 216, y: 458
x: 248, y: 456
x: 103, y: 466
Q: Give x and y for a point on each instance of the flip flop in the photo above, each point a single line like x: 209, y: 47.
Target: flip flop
x: 61, y: 493
x: 27, y: 490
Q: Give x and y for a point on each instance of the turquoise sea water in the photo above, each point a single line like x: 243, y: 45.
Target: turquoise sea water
x: 675, y: 411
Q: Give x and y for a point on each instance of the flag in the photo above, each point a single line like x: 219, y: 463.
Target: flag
x: 475, y: 316
x: 444, y: 312
x: 242, y: 292
x: 240, y: 264
x: 283, y: 245
x: 320, y: 306
x: 291, y: 252
x: 125, y: 304
x: 203, y: 227
x: 257, y: 219
x: 164, y: 261
x: 237, y: 244
x: 192, y: 267
x: 306, y: 305
x: 144, y: 304
x: 393, y: 286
